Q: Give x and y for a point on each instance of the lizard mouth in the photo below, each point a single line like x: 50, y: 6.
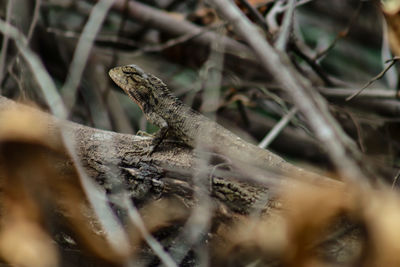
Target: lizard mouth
x: 119, y: 77
x: 130, y: 78
x: 116, y: 75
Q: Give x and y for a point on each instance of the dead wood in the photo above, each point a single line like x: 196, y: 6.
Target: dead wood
x: 108, y: 155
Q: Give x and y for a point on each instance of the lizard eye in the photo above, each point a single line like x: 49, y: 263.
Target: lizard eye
x: 134, y: 70
x: 128, y: 72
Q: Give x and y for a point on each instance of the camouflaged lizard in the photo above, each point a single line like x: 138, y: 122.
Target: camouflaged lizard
x: 167, y: 112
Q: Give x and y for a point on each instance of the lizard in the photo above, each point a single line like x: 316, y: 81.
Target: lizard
x: 172, y: 116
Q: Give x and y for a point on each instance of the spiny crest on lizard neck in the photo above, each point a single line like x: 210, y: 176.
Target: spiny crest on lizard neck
x: 160, y: 88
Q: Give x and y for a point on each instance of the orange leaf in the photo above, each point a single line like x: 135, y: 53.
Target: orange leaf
x: 391, y: 11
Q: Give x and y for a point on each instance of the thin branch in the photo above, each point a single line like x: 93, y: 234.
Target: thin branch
x: 32, y: 27
x: 385, y: 107
x: 341, y: 34
x: 4, y: 46
x: 347, y: 92
x: 44, y: 80
x: 286, y: 27
x: 82, y: 51
x: 358, y: 130
x: 34, y: 21
x: 392, y: 77
x: 125, y: 202
x: 198, y: 223
x: 161, y: 20
x: 274, y: 132
x: 257, y: 16
x: 116, y: 113
x: 299, y: 3
x: 395, y: 179
x: 176, y: 41
x: 377, y: 77
x: 308, y: 101
x: 99, y: 38
x: 278, y: 8
x: 312, y: 63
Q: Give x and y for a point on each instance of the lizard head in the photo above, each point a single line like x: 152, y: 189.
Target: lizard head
x: 136, y: 83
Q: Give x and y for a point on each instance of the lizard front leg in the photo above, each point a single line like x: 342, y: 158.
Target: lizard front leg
x: 159, y: 136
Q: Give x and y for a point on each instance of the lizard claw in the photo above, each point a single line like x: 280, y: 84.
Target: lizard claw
x: 151, y: 150
x: 144, y: 134
x: 148, y: 150
x: 158, y: 137
x: 155, y: 144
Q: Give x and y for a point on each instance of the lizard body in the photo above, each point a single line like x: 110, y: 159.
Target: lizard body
x: 167, y: 112
x: 164, y: 110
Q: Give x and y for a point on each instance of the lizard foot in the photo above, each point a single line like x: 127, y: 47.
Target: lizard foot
x: 154, y: 145
x: 151, y: 148
x: 147, y: 151
x: 158, y: 137
x: 144, y: 134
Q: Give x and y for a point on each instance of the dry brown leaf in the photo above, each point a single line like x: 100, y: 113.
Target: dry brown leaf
x: 391, y: 11
x: 163, y: 213
x: 310, y: 214
x: 311, y: 210
x: 250, y: 239
x: 25, y: 243
x: 158, y: 215
x: 37, y: 177
x: 204, y: 16
x: 259, y: 2
x: 381, y: 212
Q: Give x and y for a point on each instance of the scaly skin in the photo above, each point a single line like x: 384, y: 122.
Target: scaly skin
x: 167, y: 112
